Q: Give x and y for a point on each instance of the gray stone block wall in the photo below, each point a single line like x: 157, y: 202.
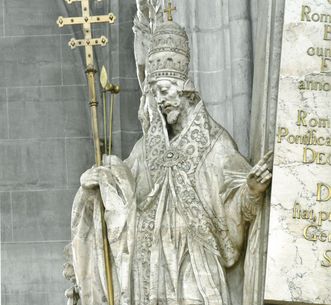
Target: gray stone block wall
x: 127, y: 129
x: 45, y: 139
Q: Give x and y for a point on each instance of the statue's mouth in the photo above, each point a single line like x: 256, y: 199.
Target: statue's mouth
x: 168, y: 107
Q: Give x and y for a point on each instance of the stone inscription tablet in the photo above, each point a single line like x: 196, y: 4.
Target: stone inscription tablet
x: 299, y: 249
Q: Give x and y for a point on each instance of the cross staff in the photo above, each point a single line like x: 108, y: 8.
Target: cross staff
x: 169, y: 11
x: 89, y: 42
x: 86, y: 21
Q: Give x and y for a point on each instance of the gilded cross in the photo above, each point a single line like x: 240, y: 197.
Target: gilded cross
x: 86, y: 21
x: 169, y: 11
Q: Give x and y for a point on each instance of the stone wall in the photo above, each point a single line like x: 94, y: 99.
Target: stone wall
x: 127, y: 129
x: 45, y: 141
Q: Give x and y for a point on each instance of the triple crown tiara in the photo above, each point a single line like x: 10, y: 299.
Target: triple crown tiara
x: 169, y: 54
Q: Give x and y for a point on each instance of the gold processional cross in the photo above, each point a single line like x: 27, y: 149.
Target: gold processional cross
x: 169, y: 11
x: 89, y: 42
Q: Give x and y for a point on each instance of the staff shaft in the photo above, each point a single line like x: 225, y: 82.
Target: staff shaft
x: 95, y: 132
x: 104, y: 100
x: 94, y: 115
x: 112, y: 98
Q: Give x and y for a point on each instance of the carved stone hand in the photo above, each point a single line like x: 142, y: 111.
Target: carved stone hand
x: 259, y: 179
x: 90, y: 179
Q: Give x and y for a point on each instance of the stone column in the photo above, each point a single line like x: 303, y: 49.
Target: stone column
x: 267, y: 20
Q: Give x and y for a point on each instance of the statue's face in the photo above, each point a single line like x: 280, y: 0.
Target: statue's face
x: 167, y: 94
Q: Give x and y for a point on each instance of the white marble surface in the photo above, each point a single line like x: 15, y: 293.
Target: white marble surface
x: 294, y: 266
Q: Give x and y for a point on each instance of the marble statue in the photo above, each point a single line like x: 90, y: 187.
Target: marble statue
x: 180, y: 210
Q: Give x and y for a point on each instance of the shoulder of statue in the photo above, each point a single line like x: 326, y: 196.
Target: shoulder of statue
x: 222, y: 149
x: 225, y: 154
x: 226, y: 143
x: 136, y: 153
x: 224, y: 139
x: 139, y: 146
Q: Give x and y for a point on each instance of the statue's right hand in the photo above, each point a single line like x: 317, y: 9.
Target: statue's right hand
x: 90, y: 179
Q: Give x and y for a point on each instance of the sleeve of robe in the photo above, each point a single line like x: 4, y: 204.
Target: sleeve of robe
x: 228, y: 169
x: 221, y: 181
x: 116, y: 194
x: 235, y: 171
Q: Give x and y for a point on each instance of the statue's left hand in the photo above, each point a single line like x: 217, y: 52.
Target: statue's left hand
x: 259, y: 179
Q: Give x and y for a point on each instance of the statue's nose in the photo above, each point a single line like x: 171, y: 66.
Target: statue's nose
x: 167, y: 103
